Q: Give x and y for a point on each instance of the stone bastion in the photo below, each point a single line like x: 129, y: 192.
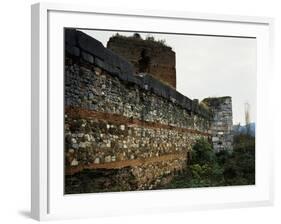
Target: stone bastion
x: 128, y: 124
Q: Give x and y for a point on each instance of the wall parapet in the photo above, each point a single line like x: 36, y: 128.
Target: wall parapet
x: 81, y: 45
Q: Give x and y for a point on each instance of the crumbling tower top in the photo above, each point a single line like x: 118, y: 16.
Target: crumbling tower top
x: 147, y: 56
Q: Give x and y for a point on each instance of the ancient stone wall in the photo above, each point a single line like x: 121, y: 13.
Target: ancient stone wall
x: 115, y: 120
x: 148, y: 56
x: 221, y: 122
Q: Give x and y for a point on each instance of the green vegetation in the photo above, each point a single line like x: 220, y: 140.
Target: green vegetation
x: 149, y: 39
x: 207, y: 168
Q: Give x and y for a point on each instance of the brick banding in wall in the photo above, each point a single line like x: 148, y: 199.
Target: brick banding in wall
x: 122, y: 164
x: 75, y: 112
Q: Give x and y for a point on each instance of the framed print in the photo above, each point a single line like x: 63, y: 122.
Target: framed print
x: 148, y: 111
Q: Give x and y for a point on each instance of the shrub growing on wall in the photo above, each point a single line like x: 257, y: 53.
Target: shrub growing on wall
x: 204, y: 169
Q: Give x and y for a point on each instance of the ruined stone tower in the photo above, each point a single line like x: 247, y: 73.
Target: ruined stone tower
x: 147, y: 56
x: 221, y: 122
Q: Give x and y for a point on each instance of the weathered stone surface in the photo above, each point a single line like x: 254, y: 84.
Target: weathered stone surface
x: 87, y: 57
x: 147, y: 56
x: 128, y: 100
x: 75, y: 146
x: 118, y: 66
x: 221, y: 123
x: 89, y: 44
x: 74, y: 162
x: 71, y: 151
x: 107, y: 159
x: 97, y: 160
x: 75, y: 51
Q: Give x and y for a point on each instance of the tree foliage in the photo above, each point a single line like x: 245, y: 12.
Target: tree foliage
x: 224, y: 168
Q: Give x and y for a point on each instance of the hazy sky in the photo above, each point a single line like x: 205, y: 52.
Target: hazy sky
x: 209, y: 66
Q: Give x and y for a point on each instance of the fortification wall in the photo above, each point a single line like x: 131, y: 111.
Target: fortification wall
x: 115, y: 120
x: 147, y: 56
x: 221, y: 122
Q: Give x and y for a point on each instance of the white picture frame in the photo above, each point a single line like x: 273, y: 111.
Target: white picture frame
x: 47, y: 198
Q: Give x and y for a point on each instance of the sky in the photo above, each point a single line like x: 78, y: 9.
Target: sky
x: 210, y: 66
